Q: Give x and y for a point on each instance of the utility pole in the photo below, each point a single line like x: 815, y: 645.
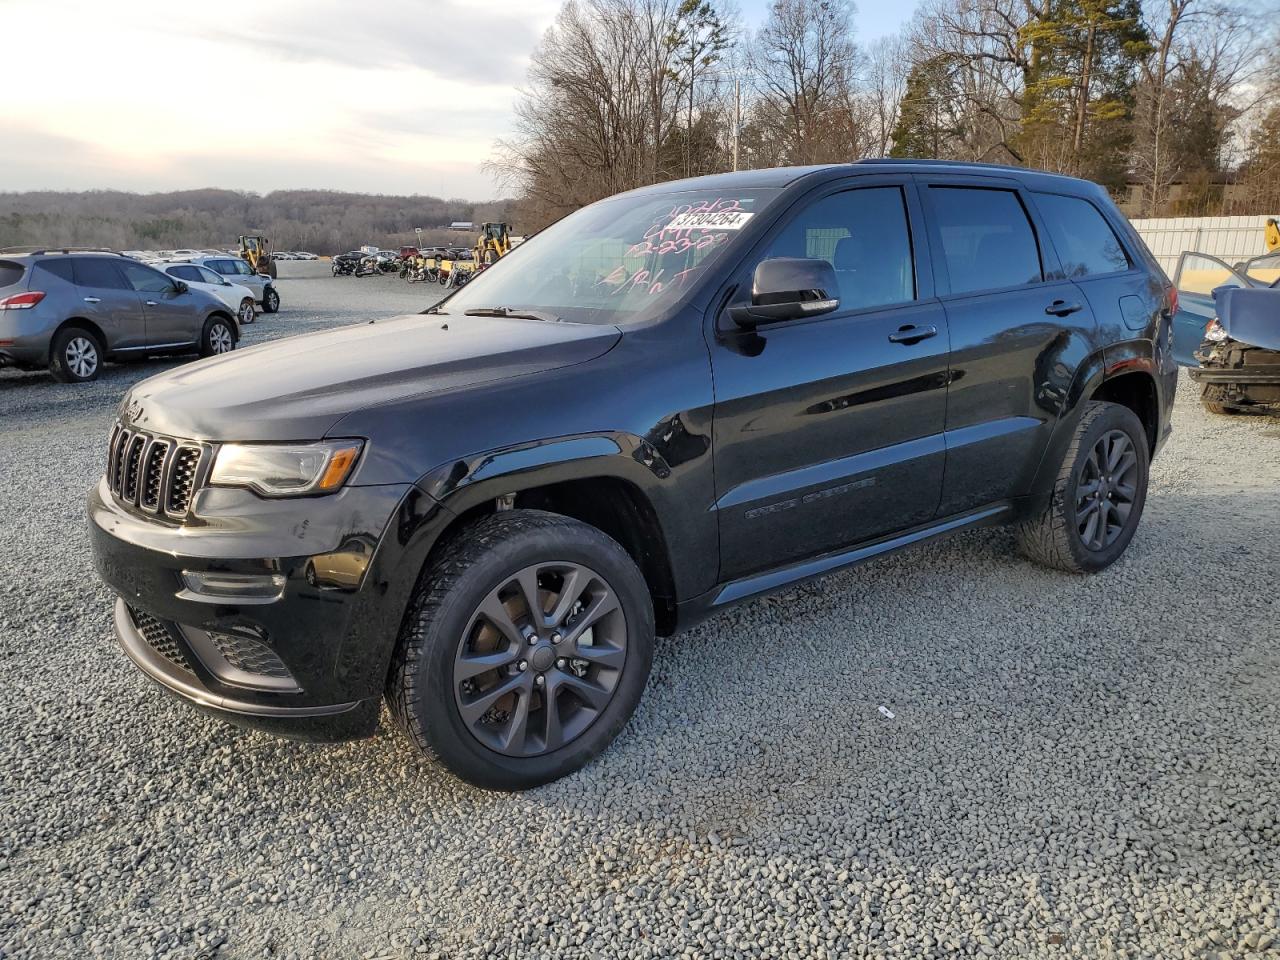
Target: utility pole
x: 737, y: 119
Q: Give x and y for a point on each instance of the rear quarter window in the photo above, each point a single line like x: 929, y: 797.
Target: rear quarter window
x: 10, y: 273
x: 61, y: 268
x: 1086, y: 244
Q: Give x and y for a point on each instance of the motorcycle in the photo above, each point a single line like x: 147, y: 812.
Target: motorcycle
x: 367, y: 266
x: 343, y: 267
x: 421, y: 269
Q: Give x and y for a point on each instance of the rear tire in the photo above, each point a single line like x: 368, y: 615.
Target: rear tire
x: 218, y: 337
x: 1097, y: 497
x: 75, y: 356
x: 270, y: 300
x: 246, y: 313
x: 530, y: 711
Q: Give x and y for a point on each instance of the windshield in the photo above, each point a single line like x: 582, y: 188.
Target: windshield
x: 616, y: 261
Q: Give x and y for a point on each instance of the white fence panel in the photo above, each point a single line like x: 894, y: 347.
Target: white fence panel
x: 1227, y: 238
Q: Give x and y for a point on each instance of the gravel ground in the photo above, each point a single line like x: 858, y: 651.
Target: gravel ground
x: 1075, y: 767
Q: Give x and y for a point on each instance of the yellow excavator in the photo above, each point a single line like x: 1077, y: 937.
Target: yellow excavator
x: 257, y: 252
x: 494, y: 243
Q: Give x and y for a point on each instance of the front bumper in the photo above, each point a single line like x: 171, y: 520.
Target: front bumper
x: 309, y: 662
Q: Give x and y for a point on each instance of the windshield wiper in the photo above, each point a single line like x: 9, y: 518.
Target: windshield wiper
x: 515, y: 313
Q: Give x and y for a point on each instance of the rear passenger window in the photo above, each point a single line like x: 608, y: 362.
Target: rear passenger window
x: 863, y: 234
x: 987, y: 240
x: 100, y: 273
x: 61, y: 267
x: 186, y: 273
x: 224, y: 267
x: 1086, y: 244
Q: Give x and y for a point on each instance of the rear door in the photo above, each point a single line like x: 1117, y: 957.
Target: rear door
x: 1007, y: 310
x: 173, y: 317
x: 106, y: 298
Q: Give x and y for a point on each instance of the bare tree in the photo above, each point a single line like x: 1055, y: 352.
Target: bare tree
x: 805, y: 61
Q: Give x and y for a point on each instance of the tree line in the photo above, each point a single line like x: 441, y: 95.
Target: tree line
x: 324, y: 222
x: 1171, y: 104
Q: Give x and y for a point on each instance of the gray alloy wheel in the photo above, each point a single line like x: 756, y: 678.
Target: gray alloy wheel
x: 81, y: 355
x: 540, y: 659
x: 1106, y: 488
x: 246, y: 314
x: 270, y: 300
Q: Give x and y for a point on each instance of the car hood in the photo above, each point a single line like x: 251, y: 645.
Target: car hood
x: 1250, y: 315
x: 297, y: 388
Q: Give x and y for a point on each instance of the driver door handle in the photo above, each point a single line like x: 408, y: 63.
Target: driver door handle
x: 92, y: 299
x: 152, y: 303
x: 1060, y: 308
x: 910, y: 334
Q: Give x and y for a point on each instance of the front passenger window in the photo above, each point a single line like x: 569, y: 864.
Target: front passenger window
x: 145, y: 280
x: 863, y: 234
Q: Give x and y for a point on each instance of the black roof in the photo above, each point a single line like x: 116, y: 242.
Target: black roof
x: 785, y: 176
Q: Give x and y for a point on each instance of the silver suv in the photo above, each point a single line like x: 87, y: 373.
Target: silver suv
x: 69, y: 311
x: 238, y: 271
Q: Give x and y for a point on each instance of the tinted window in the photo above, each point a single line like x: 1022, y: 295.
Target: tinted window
x: 10, y: 273
x: 206, y: 276
x: 240, y: 268
x: 61, y: 267
x: 864, y: 235
x: 1085, y: 241
x: 100, y: 273
x: 186, y: 273
x: 987, y: 241
x: 145, y: 280
x: 224, y: 267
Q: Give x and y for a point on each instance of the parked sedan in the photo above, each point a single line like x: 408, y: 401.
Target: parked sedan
x: 238, y: 271
x: 1239, y: 357
x: 1197, y: 277
x: 235, y: 295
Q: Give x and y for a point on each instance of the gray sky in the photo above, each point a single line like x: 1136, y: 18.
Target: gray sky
x: 375, y: 97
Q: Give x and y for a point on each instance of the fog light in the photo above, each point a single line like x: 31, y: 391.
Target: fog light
x: 207, y: 586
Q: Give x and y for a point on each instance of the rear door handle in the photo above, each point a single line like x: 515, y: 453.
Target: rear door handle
x: 910, y: 334
x: 1060, y: 308
x: 92, y: 299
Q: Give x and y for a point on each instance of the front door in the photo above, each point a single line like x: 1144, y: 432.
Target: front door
x: 828, y: 431
x: 109, y: 301
x: 173, y: 318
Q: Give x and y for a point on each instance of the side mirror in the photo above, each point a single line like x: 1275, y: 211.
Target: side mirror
x: 788, y: 288
x: 180, y: 286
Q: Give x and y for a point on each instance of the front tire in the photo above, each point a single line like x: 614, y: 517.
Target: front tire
x: 270, y: 300
x: 218, y: 337
x: 524, y: 652
x: 75, y: 356
x: 1097, y: 497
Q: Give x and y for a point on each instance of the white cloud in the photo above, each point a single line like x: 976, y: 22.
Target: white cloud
x: 150, y: 95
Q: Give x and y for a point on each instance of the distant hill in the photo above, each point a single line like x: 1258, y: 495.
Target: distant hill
x: 322, y: 221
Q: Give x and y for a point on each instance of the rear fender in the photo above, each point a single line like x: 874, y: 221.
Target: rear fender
x: 1112, y: 361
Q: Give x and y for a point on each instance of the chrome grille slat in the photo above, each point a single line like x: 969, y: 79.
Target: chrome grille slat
x: 153, y: 474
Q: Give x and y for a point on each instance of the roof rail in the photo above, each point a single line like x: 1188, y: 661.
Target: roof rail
x: 37, y: 251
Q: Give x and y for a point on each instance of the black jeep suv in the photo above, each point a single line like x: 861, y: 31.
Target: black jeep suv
x: 673, y: 400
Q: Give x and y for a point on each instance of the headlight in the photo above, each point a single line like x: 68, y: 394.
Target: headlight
x: 287, y: 469
x: 1215, y: 331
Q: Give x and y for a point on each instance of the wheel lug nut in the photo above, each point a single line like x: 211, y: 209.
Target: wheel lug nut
x: 539, y: 679
x: 560, y: 664
x: 556, y: 638
x: 524, y: 665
